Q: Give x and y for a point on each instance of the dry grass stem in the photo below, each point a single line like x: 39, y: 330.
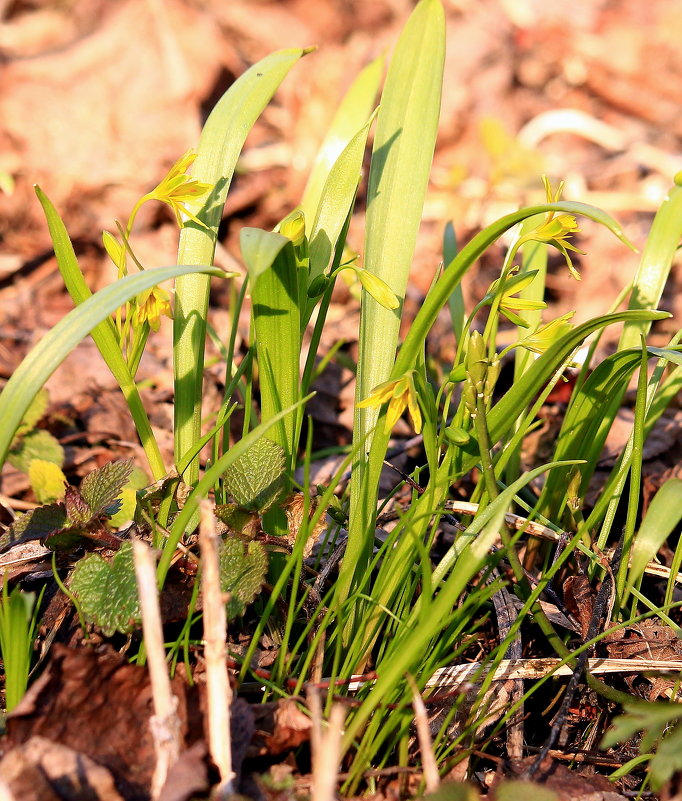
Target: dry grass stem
x: 421, y: 721
x: 165, y: 723
x: 325, y: 747
x: 215, y: 652
x: 459, y: 675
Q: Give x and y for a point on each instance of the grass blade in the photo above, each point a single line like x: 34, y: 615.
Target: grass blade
x: 654, y: 266
x: 103, y: 334
x: 53, y: 348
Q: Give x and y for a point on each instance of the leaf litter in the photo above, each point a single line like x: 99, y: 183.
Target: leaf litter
x: 82, y: 730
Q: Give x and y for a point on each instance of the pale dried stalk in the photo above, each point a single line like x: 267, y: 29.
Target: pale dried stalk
x: 165, y: 723
x: 325, y: 748
x: 5, y: 793
x: 460, y: 675
x: 215, y: 653
x: 421, y: 722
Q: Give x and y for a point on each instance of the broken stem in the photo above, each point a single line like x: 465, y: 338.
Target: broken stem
x: 164, y: 723
x: 218, y: 686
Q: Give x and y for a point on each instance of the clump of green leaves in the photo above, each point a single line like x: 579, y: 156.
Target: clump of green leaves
x: 80, y: 517
x: 18, y: 619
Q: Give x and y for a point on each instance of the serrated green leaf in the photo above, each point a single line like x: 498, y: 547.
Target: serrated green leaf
x: 242, y: 572
x: 107, y: 591
x: 667, y: 758
x: 238, y: 520
x: 37, y: 444
x: 78, y: 510
x: 48, y: 482
x: 256, y: 479
x: 102, y: 487
x: 34, y: 525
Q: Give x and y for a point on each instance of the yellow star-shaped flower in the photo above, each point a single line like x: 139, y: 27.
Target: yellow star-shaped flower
x: 400, y: 394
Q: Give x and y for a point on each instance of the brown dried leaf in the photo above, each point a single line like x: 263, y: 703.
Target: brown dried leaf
x: 579, y: 600
x: 94, y: 702
x: 569, y: 785
x: 280, y: 727
x: 41, y: 770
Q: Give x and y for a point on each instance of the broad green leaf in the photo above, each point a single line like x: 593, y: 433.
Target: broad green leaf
x: 101, y: 488
x: 37, y: 444
x: 352, y: 113
x: 661, y: 519
x: 453, y: 791
x: 515, y: 789
x: 107, y: 591
x: 650, y: 717
x: 256, y: 479
x: 55, y: 346
x: 206, y: 484
x: 404, y: 142
x: 219, y: 146
x: 242, y: 573
x: 259, y: 250
x: 277, y: 330
x: 48, y: 482
x: 36, y: 524
x: 103, y: 333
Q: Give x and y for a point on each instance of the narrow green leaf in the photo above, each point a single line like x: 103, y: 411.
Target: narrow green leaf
x: 654, y: 267
x: 55, y: 346
x: 103, y: 334
x: 662, y: 518
x: 352, y: 113
x: 404, y: 142
x: 335, y: 202
x: 221, y: 141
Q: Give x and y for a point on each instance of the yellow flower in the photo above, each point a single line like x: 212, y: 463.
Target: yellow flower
x: 508, y: 304
x: 293, y: 227
x: 178, y: 188
x: 399, y: 394
x: 556, y: 229
x: 376, y: 287
x: 539, y: 341
x: 150, y: 305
